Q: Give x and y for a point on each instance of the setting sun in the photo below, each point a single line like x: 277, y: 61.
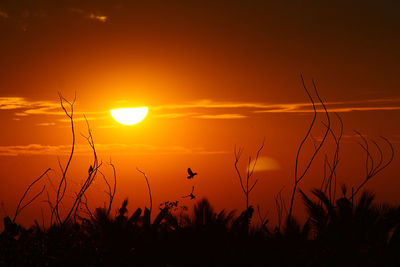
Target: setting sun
x: 129, y: 116
x: 211, y: 133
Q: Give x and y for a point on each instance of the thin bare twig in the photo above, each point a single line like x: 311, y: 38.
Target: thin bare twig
x: 19, y: 208
x: 298, y: 177
x: 371, y: 170
x: 63, y: 181
x: 263, y: 219
x: 92, y: 172
x: 247, y: 187
x: 148, y: 186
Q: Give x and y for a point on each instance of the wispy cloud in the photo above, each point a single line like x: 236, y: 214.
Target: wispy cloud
x: 89, y: 118
x: 83, y: 149
x: 32, y: 149
x: 176, y: 115
x: 319, y: 108
x: 90, y: 14
x: 26, y: 107
x: 265, y: 164
x: 101, y: 18
x: 391, y: 104
x: 221, y: 116
x: 3, y: 15
x: 204, y: 109
x: 46, y: 124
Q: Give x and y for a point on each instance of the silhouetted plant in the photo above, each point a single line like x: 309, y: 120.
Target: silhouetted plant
x: 298, y: 177
x: 371, y: 168
x: 148, y: 187
x: 328, y: 184
x: 280, y: 208
x: 246, y: 185
x: 61, y: 190
x: 19, y: 208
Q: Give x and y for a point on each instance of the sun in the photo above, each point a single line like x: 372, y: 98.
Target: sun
x: 129, y: 116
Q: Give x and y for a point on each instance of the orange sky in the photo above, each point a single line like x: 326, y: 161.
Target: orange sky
x: 213, y: 74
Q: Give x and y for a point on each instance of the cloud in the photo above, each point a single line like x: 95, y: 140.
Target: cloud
x: 198, y: 115
x: 3, y: 15
x: 221, y: 116
x: 84, y: 149
x: 32, y: 149
x: 265, y: 164
x: 98, y: 17
x: 90, y: 14
x: 176, y: 115
x: 85, y: 118
x: 24, y: 107
x: 211, y: 104
x: 28, y: 107
x: 46, y: 124
x: 333, y: 109
x: 204, y: 109
x: 391, y: 104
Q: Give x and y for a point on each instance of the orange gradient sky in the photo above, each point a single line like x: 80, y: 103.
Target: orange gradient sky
x: 213, y: 74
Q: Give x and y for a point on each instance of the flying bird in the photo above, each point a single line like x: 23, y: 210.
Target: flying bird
x: 191, y: 174
x: 190, y: 195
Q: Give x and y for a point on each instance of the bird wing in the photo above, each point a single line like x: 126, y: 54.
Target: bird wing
x: 190, y: 172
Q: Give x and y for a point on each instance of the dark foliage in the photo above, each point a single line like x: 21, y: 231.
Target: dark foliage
x: 344, y: 234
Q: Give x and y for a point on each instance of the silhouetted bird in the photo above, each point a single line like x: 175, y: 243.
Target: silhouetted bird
x: 191, y: 194
x: 191, y: 174
x: 90, y: 169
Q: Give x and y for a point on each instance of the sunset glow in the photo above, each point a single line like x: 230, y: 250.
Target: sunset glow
x: 129, y: 116
x: 257, y: 107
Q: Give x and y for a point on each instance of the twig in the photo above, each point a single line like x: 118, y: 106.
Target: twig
x: 148, y: 186
x: 19, y: 208
x: 298, y: 177
x: 247, y: 188
x: 64, y: 173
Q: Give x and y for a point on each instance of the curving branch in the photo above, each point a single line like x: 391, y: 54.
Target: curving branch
x: 114, y: 188
x: 148, y: 187
x: 298, y: 176
x: 371, y: 167
x: 92, y: 172
x: 328, y: 184
x: 62, y: 187
x: 19, y: 208
x: 110, y: 191
x: 246, y: 186
x: 280, y: 206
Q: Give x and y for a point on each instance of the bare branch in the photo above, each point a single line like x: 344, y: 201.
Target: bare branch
x: 148, y: 186
x: 246, y: 188
x: 298, y: 177
x: 263, y: 219
x: 373, y: 170
x: 19, y: 209
x: 279, y: 206
x: 64, y: 173
x: 92, y: 172
x: 255, y: 182
x: 238, y: 154
x: 30, y: 201
x: 115, y: 186
x: 257, y: 156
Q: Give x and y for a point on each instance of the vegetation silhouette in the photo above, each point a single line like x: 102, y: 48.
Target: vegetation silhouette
x: 350, y: 230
